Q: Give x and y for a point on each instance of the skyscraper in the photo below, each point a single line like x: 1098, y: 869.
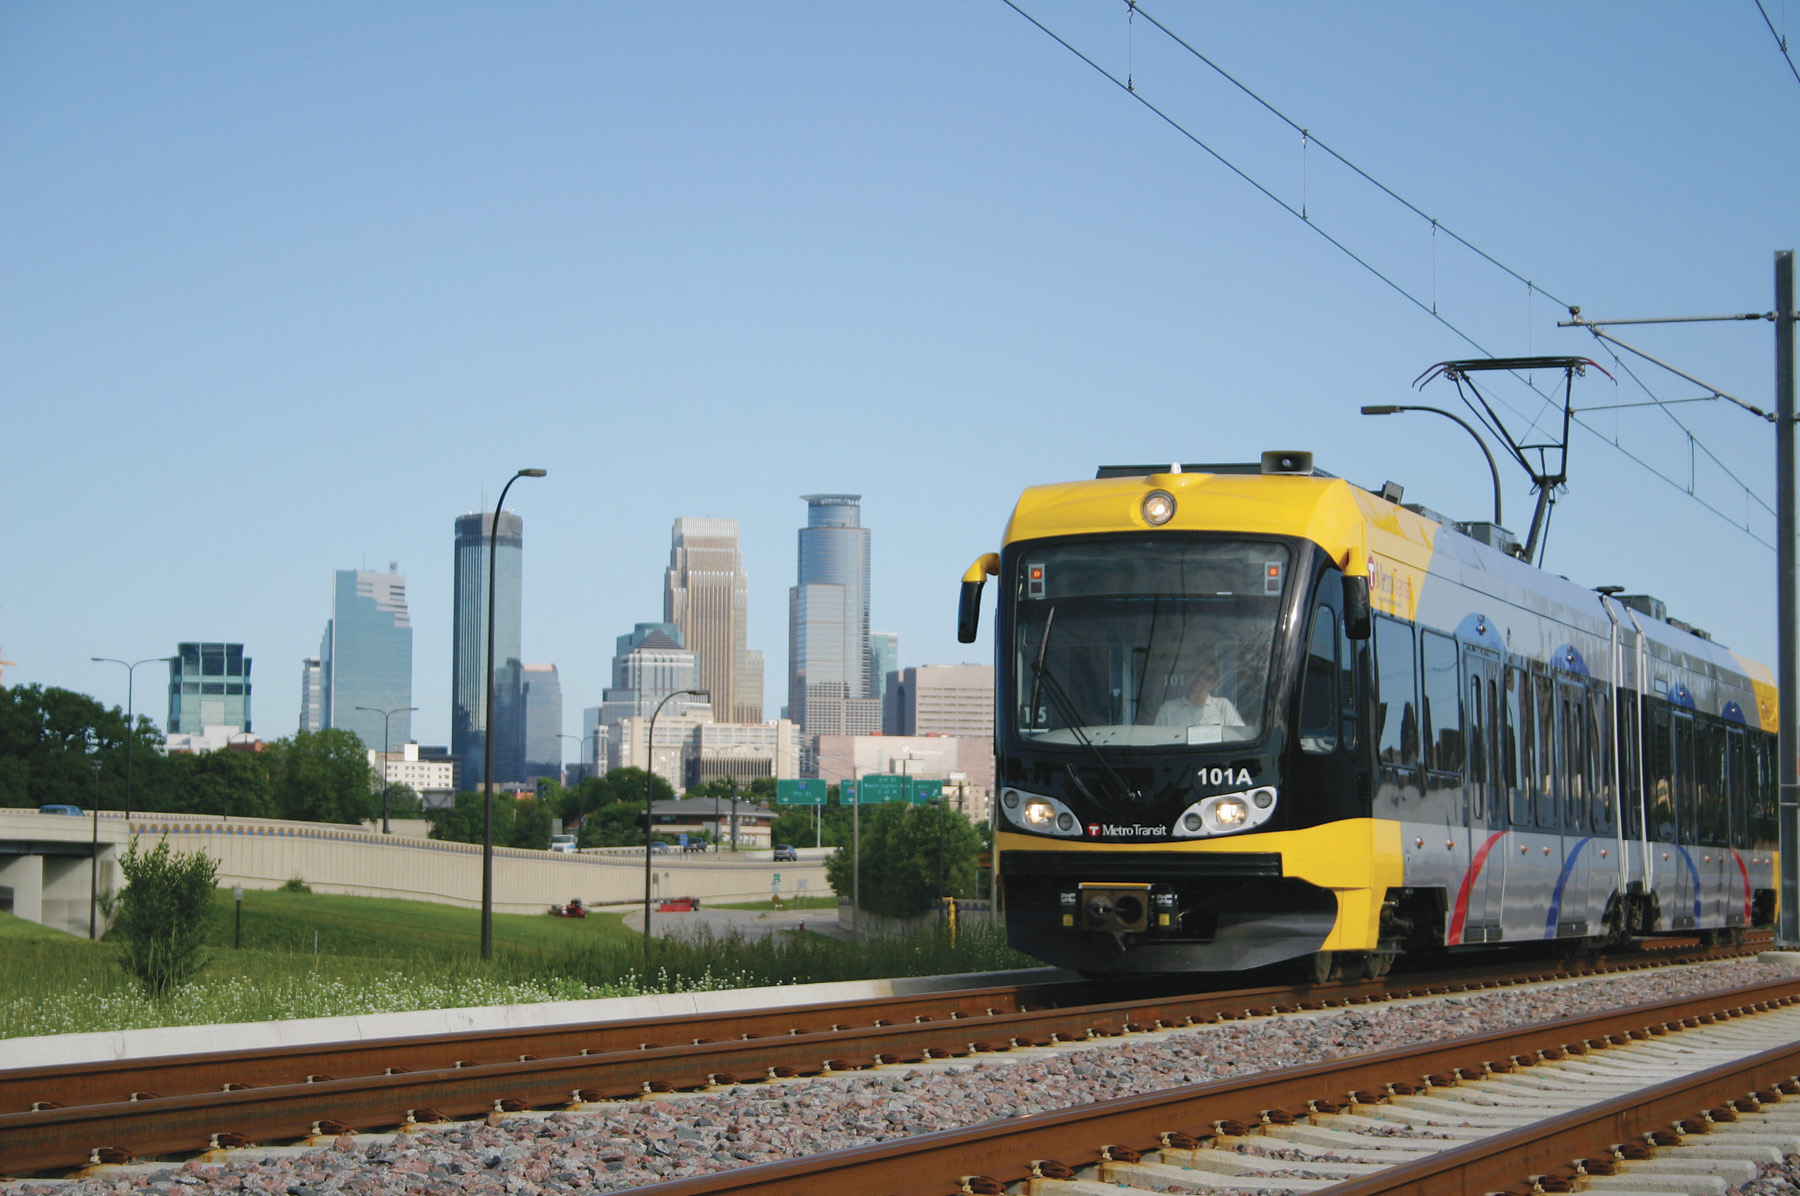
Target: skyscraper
x: 209, y: 686
x: 366, y: 658
x: 468, y: 656
x: 312, y: 694
x: 543, y: 721
x: 648, y: 666
x: 707, y: 595
x: 829, y: 688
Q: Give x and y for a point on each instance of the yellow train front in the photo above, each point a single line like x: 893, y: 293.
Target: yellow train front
x: 1250, y: 714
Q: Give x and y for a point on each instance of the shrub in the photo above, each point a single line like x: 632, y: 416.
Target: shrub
x: 296, y: 885
x: 162, y: 915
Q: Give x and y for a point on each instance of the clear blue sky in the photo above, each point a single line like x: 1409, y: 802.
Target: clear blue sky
x: 283, y: 287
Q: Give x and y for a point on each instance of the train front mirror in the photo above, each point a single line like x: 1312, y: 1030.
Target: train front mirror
x: 968, y: 609
x: 1357, y: 623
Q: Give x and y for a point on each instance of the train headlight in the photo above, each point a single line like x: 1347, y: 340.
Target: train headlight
x: 1158, y: 507
x: 1226, y: 813
x: 1041, y: 815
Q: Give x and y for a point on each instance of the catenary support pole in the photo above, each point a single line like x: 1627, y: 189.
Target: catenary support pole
x: 1788, y: 635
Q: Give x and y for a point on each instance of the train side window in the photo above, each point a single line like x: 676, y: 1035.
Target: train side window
x: 1631, y: 786
x: 1574, y: 757
x: 1764, y: 828
x: 1518, y: 755
x: 1347, y: 688
x: 1546, y: 782
x: 1711, y: 794
x: 1602, y: 760
x: 1478, y: 757
x: 1686, y: 765
x: 1443, y: 706
x: 1659, y: 777
x: 1396, y: 696
x: 1318, y: 689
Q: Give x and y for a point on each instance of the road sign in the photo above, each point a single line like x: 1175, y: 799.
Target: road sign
x: 924, y: 791
x: 775, y: 882
x: 882, y: 787
x: 800, y: 793
x: 846, y: 793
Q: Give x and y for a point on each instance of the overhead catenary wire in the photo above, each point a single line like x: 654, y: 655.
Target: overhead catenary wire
x: 1429, y: 308
x: 1780, y: 40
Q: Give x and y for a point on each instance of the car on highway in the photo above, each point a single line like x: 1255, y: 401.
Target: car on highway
x: 785, y: 851
x: 55, y: 809
x: 563, y: 843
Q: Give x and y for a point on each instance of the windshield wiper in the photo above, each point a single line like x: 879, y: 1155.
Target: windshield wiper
x: 1045, y: 680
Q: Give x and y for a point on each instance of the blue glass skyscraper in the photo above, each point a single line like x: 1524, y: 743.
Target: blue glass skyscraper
x: 468, y: 656
x: 366, y: 659
x: 830, y: 691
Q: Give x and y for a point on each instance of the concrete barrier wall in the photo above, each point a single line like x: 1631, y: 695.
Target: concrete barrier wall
x: 264, y: 854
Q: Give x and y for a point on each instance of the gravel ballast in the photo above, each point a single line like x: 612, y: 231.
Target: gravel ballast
x: 617, y: 1146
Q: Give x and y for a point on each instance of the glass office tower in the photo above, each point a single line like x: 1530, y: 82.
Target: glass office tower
x: 209, y: 686
x: 830, y: 691
x: 468, y: 657
x: 367, y: 657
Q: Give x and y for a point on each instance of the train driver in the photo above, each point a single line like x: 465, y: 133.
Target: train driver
x: 1205, y: 713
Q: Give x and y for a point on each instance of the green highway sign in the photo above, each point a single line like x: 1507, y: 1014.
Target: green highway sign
x: 846, y: 793
x: 881, y: 787
x: 800, y: 793
x: 924, y: 791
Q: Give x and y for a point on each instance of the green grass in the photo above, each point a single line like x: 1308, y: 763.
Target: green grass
x: 380, y: 955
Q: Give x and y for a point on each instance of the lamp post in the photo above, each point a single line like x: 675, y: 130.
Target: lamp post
x: 487, y: 731
x: 130, y: 714
x: 1392, y: 409
x: 385, y: 715
x: 649, y: 799
x: 94, y: 858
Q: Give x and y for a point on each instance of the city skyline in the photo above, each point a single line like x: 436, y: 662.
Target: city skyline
x: 979, y: 266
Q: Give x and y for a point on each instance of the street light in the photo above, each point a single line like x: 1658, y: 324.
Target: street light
x: 1492, y: 468
x: 385, y: 715
x: 487, y: 733
x: 130, y: 714
x: 649, y: 797
x: 94, y: 857
x: 579, y: 741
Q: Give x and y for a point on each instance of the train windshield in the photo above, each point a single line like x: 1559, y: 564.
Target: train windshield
x: 1143, y: 642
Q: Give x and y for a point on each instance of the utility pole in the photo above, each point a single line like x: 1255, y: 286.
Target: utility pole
x: 1787, y: 934
x: 1787, y: 594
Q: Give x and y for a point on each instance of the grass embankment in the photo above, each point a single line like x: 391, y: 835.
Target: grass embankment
x: 378, y: 955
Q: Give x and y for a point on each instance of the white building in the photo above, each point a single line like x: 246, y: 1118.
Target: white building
x: 433, y: 780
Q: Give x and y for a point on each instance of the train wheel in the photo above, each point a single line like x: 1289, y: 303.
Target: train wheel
x: 1376, y: 964
x: 1318, y: 968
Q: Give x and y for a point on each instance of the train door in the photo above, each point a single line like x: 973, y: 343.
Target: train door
x: 1444, y: 810
x: 1679, y: 855
x: 1713, y: 814
x: 1569, y: 916
x: 1483, y: 885
x: 1532, y: 814
x: 1738, y: 889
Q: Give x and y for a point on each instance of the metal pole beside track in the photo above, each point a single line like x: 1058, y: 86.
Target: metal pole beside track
x: 1788, y: 635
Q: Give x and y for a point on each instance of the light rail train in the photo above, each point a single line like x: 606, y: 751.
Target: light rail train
x: 1255, y: 713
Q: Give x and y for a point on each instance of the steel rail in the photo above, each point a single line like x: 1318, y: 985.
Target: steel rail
x: 107, y: 1081
x: 1685, y: 1105
x: 1005, y: 1152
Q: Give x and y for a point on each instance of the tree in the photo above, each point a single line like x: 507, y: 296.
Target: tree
x: 911, y: 855
x: 618, y: 819
x: 230, y: 783
x: 322, y: 776
x: 49, y: 740
x: 163, y: 912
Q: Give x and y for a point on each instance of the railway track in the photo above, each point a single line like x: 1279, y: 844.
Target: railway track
x: 1683, y: 1095
x: 63, y: 1117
